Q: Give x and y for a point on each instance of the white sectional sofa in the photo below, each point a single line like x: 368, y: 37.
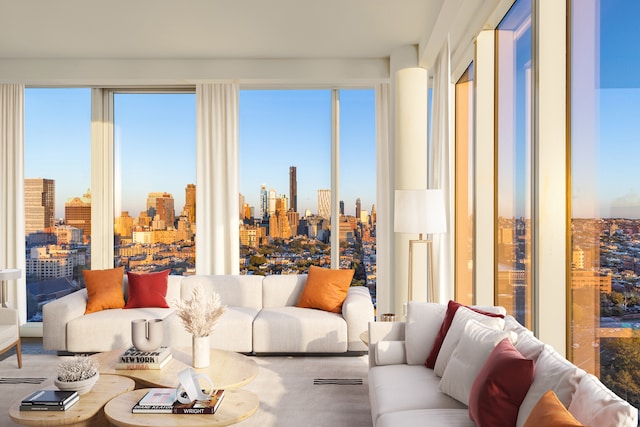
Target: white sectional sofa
x: 261, y: 317
x: 404, y: 392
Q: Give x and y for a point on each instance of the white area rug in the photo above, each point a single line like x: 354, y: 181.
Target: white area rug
x: 293, y: 391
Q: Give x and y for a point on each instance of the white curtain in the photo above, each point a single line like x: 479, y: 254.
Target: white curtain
x: 384, y: 199
x: 217, y: 194
x: 441, y: 171
x: 12, y: 185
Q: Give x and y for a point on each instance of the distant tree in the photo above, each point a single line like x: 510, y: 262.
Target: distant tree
x: 617, y: 298
x: 257, y: 260
x: 620, y: 367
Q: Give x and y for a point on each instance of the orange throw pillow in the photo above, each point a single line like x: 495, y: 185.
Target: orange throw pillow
x: 326, y: 289
x: 549, y: 411
x: 104, y: 289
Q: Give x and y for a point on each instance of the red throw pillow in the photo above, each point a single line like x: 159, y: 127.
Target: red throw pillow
x: 500, y: 387
x: 444, y: 328
x: 148, y: 289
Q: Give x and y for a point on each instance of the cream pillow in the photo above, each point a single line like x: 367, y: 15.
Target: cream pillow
x: 593, y: 404
x: 421, y: 328
x: 463, y: 314
x: 552, y: 372
x: 476, y: 343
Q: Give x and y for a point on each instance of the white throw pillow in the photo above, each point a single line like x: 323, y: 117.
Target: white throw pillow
x: 593, y: 404
x: 463, y: 314
x: 552, y: 372
x: 476, y: 344
x: 422, y: 326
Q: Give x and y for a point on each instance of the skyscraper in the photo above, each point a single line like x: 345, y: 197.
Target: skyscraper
x: 341, y: 207
x: 39, y: 204
x: 165, y: 209
x: 190, y: 202
x: 264, y: 202
x: 77, y: 213
x: 293, y: 189
x: 271, y: 207
x: 324, y: 203
x: 358, y: 207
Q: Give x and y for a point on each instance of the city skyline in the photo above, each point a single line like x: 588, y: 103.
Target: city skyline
x: 155, y: 144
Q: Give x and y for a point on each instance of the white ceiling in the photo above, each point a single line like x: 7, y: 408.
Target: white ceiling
x: 211, y: 29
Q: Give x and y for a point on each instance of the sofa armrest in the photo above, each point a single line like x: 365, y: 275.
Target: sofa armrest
x: 8, y: 316
x: 357, y: 310
x: 383, y: 331
x: 55, y: 316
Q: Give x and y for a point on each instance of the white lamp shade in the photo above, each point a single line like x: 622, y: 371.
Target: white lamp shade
x: 10, y: 273
x: 419, y: 211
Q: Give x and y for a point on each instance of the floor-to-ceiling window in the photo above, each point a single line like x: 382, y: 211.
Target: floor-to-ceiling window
x: 605, y: 194
x: 155, y: 177
x: 464, y: 184
x: 286, y: 191
x: 285, y: 180
x: 514, y: 163
x: 357, y: 185
x: 57, y: 165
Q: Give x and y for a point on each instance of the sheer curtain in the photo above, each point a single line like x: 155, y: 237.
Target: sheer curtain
x: 384, y: 198
x: 12, y: 185
x: 441, y: 171
x: 217, y: 209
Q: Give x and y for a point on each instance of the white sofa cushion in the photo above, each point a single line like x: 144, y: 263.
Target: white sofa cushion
x: 422, y: 325
x: 476, y: 343
x: 463, y: 314
x: 427, y: 417
x: 282, y: 291
x: 552, y: 372
x: 395, y: 388
x: 593, y: 404
x: 390, y: 353
x: 234, y: 290
x: 114, y: 326
x: 299, y: 330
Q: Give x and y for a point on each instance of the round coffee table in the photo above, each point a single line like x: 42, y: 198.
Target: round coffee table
x: 237, y: 405
x: 227, y: 369
x: 87, y: 412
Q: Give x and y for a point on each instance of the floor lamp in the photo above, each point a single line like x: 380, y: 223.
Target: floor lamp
x: 7, y: 274
x: 420, y: 212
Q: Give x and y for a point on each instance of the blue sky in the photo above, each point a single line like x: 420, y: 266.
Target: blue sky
x: 155, y: 144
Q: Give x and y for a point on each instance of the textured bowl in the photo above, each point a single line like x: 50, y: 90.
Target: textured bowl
x: 81, y: 387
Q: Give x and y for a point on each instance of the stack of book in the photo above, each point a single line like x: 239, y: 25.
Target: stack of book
x: 133, y: 358
x: 165, y: 401
x: 49, y: 400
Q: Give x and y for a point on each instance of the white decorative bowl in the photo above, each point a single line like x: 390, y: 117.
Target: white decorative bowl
x: 81, y: 387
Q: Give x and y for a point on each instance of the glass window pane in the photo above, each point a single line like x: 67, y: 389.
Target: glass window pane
x: 285, y: 180
x: 464, y: 188
x: 514, y: 238
x: 358, y: 185
x: 57, y: 163
x: 605, y: 206
x: 155, y: 159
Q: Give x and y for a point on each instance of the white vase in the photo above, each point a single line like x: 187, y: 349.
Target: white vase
x: 200, y: 349
x: 146, y: 335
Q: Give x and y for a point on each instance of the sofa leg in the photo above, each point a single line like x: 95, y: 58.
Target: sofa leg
x: 19, y: 353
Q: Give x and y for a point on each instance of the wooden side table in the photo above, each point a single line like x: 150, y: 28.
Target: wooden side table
x: 86, y: 413
x: 237, y: 405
